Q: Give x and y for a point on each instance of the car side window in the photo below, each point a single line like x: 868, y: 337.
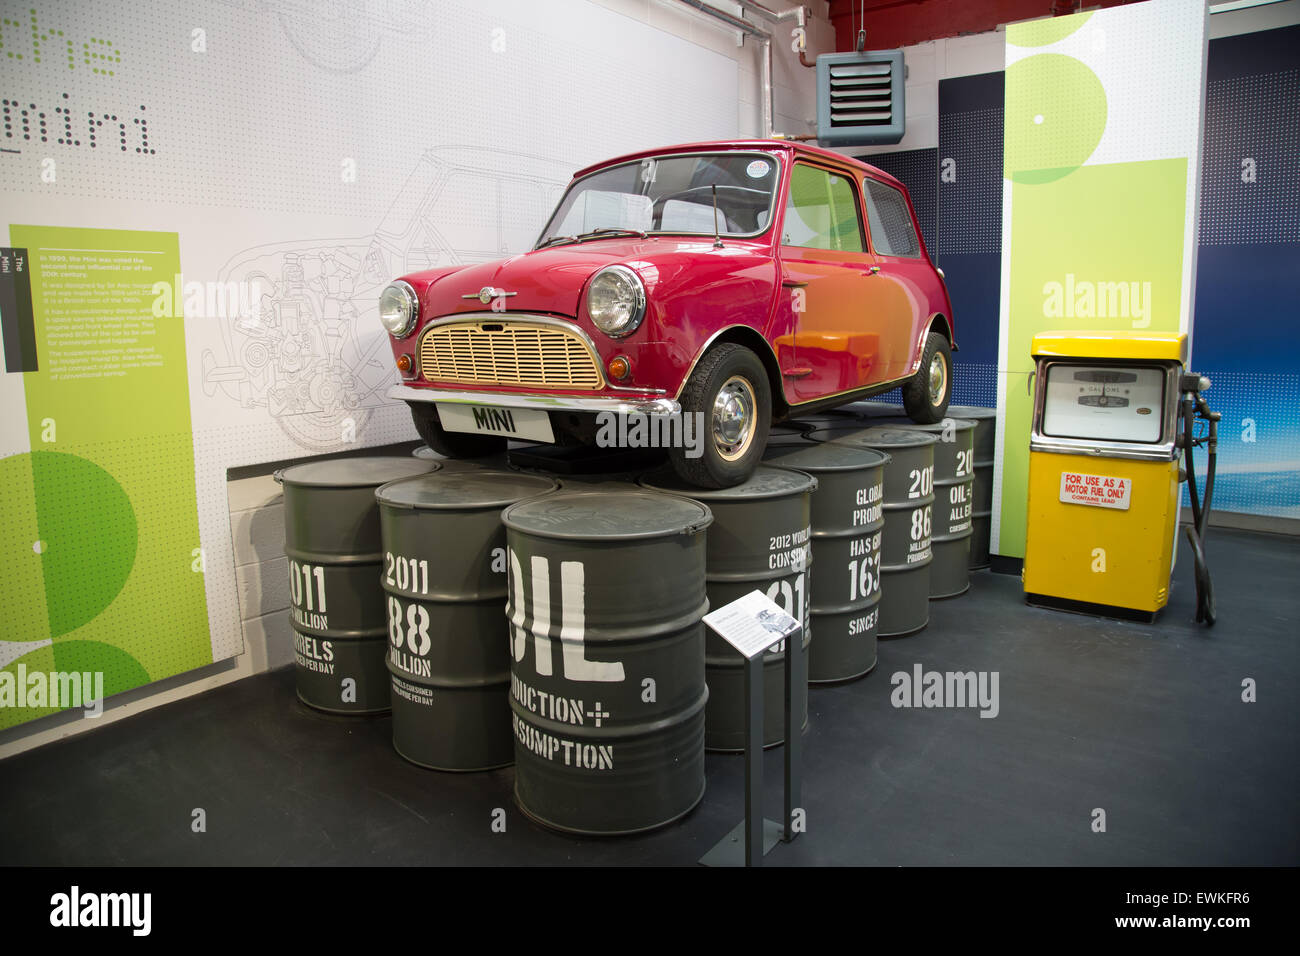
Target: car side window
x: 821, y: 212
x: 892, y: 232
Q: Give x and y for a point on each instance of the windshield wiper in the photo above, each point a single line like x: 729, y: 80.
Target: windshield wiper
x: 613, y: 230
x: 594, y: 234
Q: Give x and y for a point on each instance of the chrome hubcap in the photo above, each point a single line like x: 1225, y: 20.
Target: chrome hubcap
x: 938, y: 379
x: 734, y: 418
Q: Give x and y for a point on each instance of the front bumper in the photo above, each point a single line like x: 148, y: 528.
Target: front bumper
x: 657, y: 407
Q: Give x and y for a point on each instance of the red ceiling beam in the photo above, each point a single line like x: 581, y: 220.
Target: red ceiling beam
x: 895, y: 23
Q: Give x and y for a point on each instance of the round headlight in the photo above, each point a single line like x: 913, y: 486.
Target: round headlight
x: 616, y: 300
x: 398, y: 308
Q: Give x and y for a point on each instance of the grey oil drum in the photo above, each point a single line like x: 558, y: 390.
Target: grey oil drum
x: 333, y: 543
x: 445, y: 580
x: 847, y: 531
x: 759, y: 540
x: 986, y: 423
x: 954, y: 478
x: 607, y: 690
x: 906, y: 552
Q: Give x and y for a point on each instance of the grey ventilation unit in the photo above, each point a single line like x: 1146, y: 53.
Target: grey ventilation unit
x: 860, y: 98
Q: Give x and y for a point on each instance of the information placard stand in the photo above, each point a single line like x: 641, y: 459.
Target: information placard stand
x: 749, y: 624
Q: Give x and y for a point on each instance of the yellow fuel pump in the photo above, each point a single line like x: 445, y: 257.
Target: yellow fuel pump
x: 1111, y: 412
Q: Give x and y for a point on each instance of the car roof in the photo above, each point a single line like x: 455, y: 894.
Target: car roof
x: 790, y: 147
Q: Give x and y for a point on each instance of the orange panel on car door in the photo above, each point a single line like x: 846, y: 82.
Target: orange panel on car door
x: 831, y: 349
x: 824, y: 264
x: 891, y: 310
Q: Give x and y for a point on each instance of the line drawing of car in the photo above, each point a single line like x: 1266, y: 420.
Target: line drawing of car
x: 739, y: 282
x: 311, y: 350
x: 343, y: 36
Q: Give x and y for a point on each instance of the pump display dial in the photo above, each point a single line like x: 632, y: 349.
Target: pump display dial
x: 1105, y: 403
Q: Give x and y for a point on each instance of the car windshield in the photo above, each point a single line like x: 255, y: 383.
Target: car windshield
x: 669, y: 194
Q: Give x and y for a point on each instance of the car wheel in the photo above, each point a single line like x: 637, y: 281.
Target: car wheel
x: 729, y: 392
x: 926, y: 395
x: 451, y: 444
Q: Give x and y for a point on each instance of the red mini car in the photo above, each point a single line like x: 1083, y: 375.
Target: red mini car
x: 728, y: 285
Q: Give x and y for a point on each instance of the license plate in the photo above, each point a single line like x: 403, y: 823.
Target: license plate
x: 530, y: 424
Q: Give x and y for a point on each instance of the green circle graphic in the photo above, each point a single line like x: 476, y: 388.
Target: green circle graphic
x: 69, y: 537
x: 1055, y: 117
x: 89, y: 529
x: 121, y: 671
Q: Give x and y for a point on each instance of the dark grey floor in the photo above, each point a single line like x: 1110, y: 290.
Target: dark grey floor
x: 1145, y: 722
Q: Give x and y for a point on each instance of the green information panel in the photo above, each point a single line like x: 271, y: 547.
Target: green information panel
x: 99, y: 538
x: 1099, y: 206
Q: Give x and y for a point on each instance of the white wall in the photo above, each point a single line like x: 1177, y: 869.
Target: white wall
x: 796, y: 95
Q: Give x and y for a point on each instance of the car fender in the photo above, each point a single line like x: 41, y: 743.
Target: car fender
x: 918, y: 347
x: 753, y: 340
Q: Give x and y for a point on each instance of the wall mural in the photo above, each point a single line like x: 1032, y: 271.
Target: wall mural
x: 297, y: 351
x: 203, y: 203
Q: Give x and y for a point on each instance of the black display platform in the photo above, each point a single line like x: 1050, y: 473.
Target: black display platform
x: 1145, y: 721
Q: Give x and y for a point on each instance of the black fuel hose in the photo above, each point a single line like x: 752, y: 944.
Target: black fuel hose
x: 1192, y: 406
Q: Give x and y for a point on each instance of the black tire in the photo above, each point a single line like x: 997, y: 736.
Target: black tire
x: 742, y: 372
x: 923, y: 407
x: 451, y: 444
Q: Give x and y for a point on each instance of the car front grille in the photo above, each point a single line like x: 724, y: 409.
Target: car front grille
x: 508, y: 353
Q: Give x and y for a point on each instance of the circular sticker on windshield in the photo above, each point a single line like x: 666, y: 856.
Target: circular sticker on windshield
x: 757, y: 169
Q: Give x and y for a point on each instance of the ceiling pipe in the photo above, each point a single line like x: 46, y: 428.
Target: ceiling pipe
x: 799, y: 14
x: 728, y: 18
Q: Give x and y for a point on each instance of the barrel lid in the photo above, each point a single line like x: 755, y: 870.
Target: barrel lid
x: 973, y: 412
x: 787, y: 439
x: 791, y: 429
x: 876, y: 436
x: 479, y: 488
x: 826, y: 456
x: 874, y: 409
x: 615, y: 486
x: 618, y: 516
x: 765, y: 482
x: 834, y: 416
x: 353, y: 472
x: 950, y: 423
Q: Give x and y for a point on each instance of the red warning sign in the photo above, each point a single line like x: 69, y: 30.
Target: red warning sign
x: 1100, y: 491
